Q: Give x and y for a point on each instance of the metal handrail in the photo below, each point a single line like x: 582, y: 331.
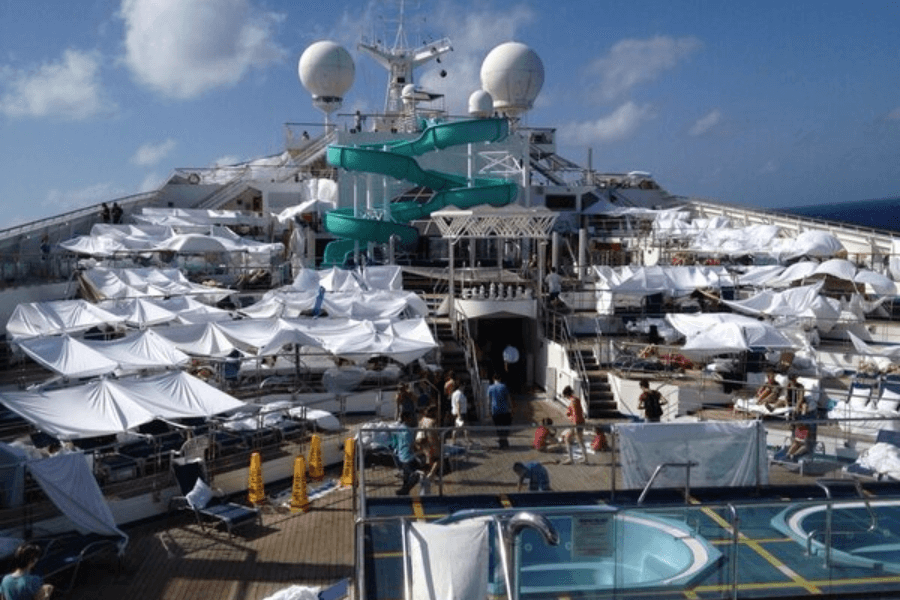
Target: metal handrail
x: 826, y: 484
x: 687, y: 482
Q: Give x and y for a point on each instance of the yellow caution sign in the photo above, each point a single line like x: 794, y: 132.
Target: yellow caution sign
x: 316, y: 464
x: 348, y: 473
x: 256, y: 492
x: 299, y: 498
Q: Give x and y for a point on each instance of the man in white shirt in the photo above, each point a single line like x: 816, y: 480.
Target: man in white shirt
x: 554, y: 285
x: 459, y: 406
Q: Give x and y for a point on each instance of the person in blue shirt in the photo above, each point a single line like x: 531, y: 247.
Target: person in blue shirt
x: 402, y: 442
x: 21, y: 584
x: 501, y: 410
x: 535, y: 473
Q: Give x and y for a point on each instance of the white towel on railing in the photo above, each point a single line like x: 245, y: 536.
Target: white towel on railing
x: 449, y: 562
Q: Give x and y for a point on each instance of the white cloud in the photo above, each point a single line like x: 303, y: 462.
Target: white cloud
x: 69, y: 89
x: 151, y: 182
x: 706, y: 122
x: 150, y: 154
x: 616, y: 126
x: 632, y: 62
x: 183, y: 48
x: 227, y: 161
x: 64, y: 200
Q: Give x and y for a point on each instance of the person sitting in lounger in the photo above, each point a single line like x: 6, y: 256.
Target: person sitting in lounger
x: 769, y: 392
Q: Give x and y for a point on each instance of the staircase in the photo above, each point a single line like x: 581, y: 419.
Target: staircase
x: 601, y: 403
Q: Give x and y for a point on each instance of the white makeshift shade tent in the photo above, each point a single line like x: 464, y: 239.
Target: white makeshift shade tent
x: 724, y: 332
x: 60, y: 316
x: 141, y: 350
x: 798, y: 302
x: 106, y: 406
x: 67, y: 356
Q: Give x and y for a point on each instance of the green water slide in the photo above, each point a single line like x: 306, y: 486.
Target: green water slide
x: 396, y: 159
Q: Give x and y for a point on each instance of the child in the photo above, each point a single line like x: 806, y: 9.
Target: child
x: 599, y: 444
x: 543, y: 434
x: 576, y: 416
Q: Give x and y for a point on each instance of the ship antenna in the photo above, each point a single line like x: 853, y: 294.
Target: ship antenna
x: 401, y: 62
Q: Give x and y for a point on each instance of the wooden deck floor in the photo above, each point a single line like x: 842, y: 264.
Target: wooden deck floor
x: 174, y: 559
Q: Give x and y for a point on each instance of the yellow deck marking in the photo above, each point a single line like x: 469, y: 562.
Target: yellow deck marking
x: 417, y: 509
x: 691, y: 596
x: 765, y: 554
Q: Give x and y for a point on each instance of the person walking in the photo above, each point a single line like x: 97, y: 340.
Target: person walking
x: 501, y: 410
x: 575, y: 413
x: 651, y: 402
x: 459, y: 406
x: 554, y: 286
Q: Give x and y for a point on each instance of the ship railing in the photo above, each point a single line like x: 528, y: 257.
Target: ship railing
x: 829, y: 532
x: 464, y: 335
x: 730, y: 531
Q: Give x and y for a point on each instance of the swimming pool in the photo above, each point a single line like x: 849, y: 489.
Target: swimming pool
x: 856, y: 540
x: 602, y: 548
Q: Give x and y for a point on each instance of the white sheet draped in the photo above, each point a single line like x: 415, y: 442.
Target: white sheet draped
x: 728, y: 454
x: 68, y: 481
x: 449, y: 562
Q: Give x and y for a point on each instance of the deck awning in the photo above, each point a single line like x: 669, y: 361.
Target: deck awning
x: 508, y: 221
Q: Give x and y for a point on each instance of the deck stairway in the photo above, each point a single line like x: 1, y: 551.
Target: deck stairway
x: 601, y: 403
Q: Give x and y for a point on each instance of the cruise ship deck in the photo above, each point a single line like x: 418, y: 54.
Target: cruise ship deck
x: 173, y: 558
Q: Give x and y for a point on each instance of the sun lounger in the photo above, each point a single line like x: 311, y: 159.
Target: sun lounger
x: 67, y: 552
x: 206, y: 503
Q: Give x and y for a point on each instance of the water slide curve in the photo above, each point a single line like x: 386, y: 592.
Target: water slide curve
x: 395, y: 159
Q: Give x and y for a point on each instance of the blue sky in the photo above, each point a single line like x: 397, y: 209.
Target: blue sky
x: 767, y: 103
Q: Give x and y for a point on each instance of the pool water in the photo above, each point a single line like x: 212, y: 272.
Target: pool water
x: 853, y: 541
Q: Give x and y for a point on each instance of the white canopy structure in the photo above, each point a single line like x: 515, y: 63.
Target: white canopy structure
x: 67, y: 356
x: 109, y: 240
x: 725, y: 332
x: 800, y: 302
x: 106, y: 406
x: 36, y: 319
x: 104, y: 283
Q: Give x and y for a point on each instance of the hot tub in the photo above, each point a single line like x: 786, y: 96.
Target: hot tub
x: 853, y: 541
x: 602, y: 548
x: 641, y: 551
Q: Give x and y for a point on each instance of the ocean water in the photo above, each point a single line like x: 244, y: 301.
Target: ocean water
x: 880, y: 214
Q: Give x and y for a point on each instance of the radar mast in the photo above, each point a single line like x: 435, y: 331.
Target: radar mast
x: 401, y: 61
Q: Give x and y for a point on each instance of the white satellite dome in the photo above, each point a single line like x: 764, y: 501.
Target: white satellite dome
x: 513, y: 74
x: 327, y: 71
x: 481, y: 104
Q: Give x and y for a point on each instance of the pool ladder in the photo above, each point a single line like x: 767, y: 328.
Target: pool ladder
x: 660, y: 468
x: 826, y: 485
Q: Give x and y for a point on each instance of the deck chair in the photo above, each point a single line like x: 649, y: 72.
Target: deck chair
x: 67, y: 552
x: 206, y: 503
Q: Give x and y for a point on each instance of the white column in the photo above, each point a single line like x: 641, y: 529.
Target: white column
x: 582, y: 252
